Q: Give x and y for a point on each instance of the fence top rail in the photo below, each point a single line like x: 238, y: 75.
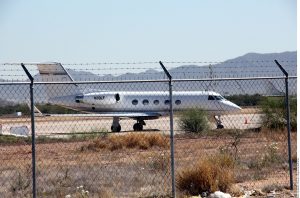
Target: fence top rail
x: 15, y: 83
x: 229, y: 79
x: 148, y: 81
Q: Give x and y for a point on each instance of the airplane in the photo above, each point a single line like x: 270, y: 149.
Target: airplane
x: 137, y: 105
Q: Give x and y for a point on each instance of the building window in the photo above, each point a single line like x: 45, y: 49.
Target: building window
x: 167, y: 102
x: 145, y: 102
x: 156, y: 102
x: 178, y: 102
x: 135, y: 102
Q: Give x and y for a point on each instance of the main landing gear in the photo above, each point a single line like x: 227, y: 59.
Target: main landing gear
x: 219, y: 122
x: 139, y: 125
x: 116, y: 127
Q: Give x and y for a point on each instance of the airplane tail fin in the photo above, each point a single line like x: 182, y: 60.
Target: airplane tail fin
x: 55, y: 72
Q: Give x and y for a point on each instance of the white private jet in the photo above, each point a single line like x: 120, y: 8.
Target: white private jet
x: 138, y: 105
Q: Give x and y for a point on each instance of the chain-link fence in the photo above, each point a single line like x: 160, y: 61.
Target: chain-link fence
x: 112, y: 136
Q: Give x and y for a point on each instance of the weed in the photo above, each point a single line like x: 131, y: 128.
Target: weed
x: 233, y: 147
x: 271, y: 156
x: 81, y: 192
x: 274, y: 111
x: 161, y: 162
x: 130, y: 141
x: 21, y: 183
x: 208, y: 175
x: 271, y: 187
x: 157, y: 140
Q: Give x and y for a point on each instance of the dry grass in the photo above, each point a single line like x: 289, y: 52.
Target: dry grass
x: 134, y: 172
x: 208, y: 175
x: 130, y: 141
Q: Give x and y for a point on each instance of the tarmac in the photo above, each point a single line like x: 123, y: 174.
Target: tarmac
x: 65, y: 124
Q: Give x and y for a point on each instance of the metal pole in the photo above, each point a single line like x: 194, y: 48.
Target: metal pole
x: 32, y: 131
x: 287, y: 106
x: 171, y: 130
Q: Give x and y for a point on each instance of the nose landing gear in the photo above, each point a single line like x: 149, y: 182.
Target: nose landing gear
x: 219, y: 122
x: 116, y: 127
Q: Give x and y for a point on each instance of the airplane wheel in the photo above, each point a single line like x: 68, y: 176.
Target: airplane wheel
x: 116, y: 128
x: 137, y: 127
x: 220, y: 126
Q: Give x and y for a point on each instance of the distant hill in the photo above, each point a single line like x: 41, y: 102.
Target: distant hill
x: 248, y: 65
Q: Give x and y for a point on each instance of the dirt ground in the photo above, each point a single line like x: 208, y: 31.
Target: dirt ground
x: 63, y: 167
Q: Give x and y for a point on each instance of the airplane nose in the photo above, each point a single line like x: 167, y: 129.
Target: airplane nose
x: 235, y: 107
x: 231, y: 106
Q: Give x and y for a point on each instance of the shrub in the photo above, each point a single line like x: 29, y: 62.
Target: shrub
x: 193, y: 121
x: 132, y: 140
x: 246, y: 100
x: 9, y: 109
x: 271, y: 156
x: 208, y: 175
x: 275, y: 113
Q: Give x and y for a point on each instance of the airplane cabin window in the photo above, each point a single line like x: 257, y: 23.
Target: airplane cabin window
x: 135, y: 102
x: 117, y: 96
x: 156, y: 102
x: 211, y: 97
x: 167, y: 102
x: 178, y: 102
x: 145, y: 102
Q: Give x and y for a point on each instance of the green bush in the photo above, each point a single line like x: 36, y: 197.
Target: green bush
x: 246, y: 100
x: 44, y: 108
x: 275, y: 113
x: 10, y: 109
x: 193, y: 121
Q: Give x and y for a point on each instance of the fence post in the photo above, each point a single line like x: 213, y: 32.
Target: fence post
x: 287, y: 106
x: 32, y: 131
x: 171, y: 128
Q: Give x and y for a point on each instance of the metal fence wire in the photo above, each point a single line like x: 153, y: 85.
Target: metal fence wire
x: 158, y: 137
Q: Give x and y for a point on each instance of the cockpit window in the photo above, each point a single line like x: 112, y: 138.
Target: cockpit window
x: 211, y: 97
x: 78, y: 99
x: 219, y: 98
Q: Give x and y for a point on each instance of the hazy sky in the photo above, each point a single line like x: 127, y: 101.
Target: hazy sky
x: 140, y: 30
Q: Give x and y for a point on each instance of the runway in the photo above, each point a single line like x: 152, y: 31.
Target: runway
x: 54, y: 125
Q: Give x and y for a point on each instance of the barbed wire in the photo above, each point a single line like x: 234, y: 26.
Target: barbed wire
x: 156, y: 62
x: 152, y: 68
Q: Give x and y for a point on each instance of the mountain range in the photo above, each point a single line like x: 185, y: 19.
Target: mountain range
x: 249, y: 65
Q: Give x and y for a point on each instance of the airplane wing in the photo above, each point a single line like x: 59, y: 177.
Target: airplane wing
x: 133, y: 115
